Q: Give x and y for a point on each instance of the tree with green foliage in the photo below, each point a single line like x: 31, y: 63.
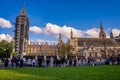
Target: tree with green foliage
x: 6, y: 49
x: 67, y: 49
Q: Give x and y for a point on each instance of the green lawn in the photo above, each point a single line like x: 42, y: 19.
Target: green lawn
x: 65, y: 73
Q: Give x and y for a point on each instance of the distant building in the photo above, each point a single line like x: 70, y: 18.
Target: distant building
x: 95, y: 47
x: 44, y: 49
x: 84, y: 47
x: 21, y: 33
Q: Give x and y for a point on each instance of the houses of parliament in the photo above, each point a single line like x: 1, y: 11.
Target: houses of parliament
x: 86, y: 47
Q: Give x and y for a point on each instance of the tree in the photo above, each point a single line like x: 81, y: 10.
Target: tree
x: 6, y: 48
x: 67, y: 50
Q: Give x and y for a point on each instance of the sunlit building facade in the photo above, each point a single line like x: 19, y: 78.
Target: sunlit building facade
x: 95, y: 47
x: 84, y: 47
x: 44, y: 48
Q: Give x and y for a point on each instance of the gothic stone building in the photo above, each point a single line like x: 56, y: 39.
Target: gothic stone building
x: 85, y: 47
x: 95, y: 47
x: 45, y: 48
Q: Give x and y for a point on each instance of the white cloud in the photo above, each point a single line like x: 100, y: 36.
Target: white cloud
x: 6, y: 37
x: 35, y: 29
x: 5, y: 23
x: 115, y: 32
x: 53, y: 30
x: 94, y: 32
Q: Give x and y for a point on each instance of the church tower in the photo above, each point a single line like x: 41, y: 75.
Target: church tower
x: 71, y: 34
x: 21, y: 33
x: 102, y: 33
x: 60, y: 42
x: 111, y: 35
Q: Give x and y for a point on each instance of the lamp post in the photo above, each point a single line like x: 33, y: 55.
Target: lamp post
x: 66, y: 51
x: 93, y: 55
x: 58, y: 51
x: 115, y: 52
x: 104, y: 44
x: 45, y: 52
x: 84, y: 54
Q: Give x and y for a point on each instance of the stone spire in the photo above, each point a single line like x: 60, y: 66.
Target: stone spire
x: 60, y: 36
x: 111, y: 34
x: 71, y: 34
x: 59, y: 39
x: 23, y: 12
x: 102, y: 33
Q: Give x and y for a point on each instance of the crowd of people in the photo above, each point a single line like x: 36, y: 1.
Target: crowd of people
x: 15, y: 62
x: 60, y: 62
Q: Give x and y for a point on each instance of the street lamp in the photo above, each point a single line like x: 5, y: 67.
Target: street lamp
x: 104, y: 44
x: 45, y: 52
x: 66, y: 51
x: 58, y: 51
x: 84, y: 54
x: 92, y: 52
x: 115, y: 52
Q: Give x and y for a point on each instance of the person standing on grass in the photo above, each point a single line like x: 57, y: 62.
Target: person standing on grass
x: 52, y: 62
x: 6, y: 62
x: 40, y: 62
x: 44, y: 63
x: 16, y: 62
x: 21, y: 63
x: 70, y: 62
x: 55, y: 62
x: 12, y: 62
x: 48, y: 62
x: 75, y: 62
x: 33, y: 62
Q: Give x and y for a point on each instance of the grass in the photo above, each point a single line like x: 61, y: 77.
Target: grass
x: 66, y: 73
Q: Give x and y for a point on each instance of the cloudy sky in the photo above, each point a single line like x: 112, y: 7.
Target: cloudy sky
x: 48, y: 18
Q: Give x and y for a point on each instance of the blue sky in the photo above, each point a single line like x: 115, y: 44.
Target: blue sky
x: 48, y: 18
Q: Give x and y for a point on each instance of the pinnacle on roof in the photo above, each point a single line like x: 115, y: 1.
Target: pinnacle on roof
x: 23, y: 12
x: 101, y: 26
